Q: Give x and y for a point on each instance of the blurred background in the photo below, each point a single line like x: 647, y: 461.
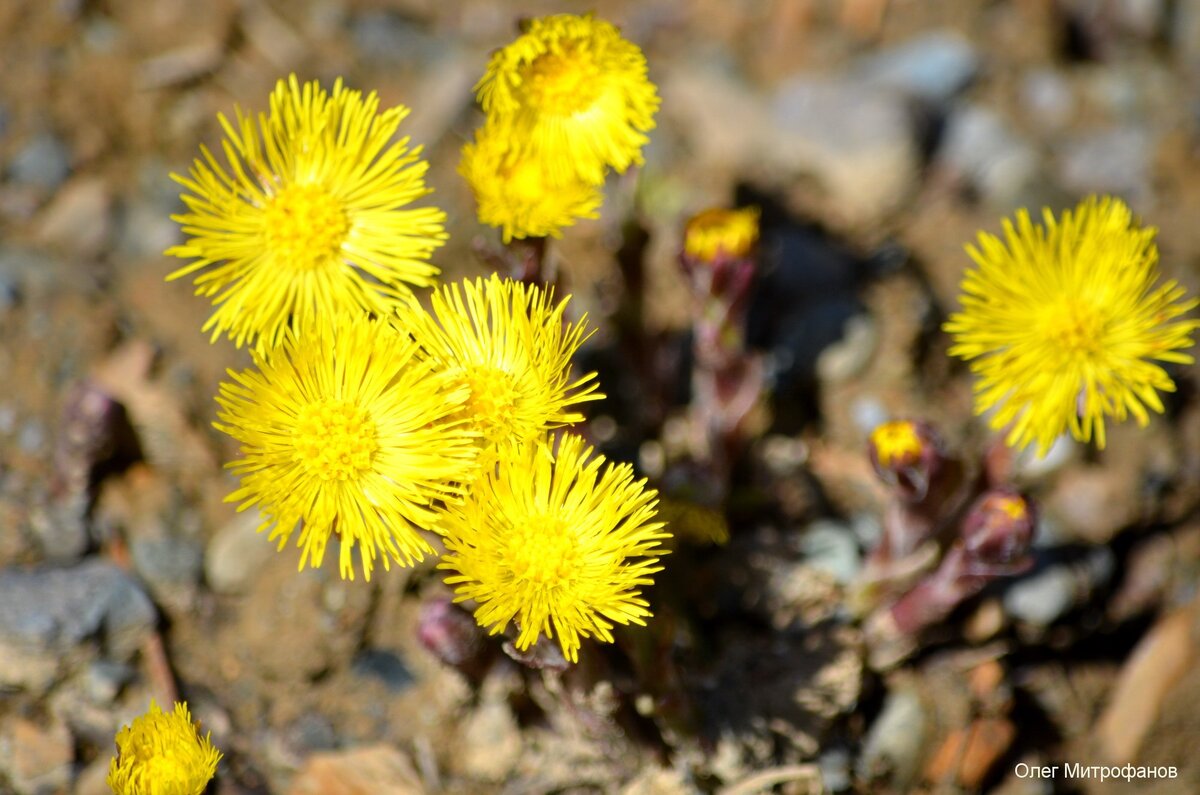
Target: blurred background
x: 878, y: 136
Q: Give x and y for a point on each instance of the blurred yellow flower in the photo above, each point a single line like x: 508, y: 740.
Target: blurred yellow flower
x: 514, y: 192
x: 715, y: 232
x: 310, y: 216
x: 347, y: 429
x: 509, y: 345
x: 162, y: 754
x: 555, y: 545
x: 897, y: 442
x: 572, y: 92
x: 1064, y: 324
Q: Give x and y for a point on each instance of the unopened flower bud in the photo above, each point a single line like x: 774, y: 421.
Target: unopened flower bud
x: 452, y: 635
x: 907, y: 455
x: 718, y: 255
x: 998, y: 529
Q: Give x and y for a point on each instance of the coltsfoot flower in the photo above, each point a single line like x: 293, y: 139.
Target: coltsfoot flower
x: 720, y: 232
x: 310, y: 216
x: 555, y: 545
x: 508, y: 344
x: 572, y: 91
x: 1064, y: 324
x: 347, y: 429
x: 514, y: 192
x: 162, y: 754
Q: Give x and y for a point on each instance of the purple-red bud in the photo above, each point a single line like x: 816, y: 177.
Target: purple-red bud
x: 907, y: 455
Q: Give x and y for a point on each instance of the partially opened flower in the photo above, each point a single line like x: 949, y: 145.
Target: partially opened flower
x: 719, y: 232
x: 508, y: 343
x: 515, y: 192
x: 346, y: 429
x: 1065, y: 323
x: 309, y: 216
x: 558, y: 545
x: 162, y: 754
x: 572, y: 91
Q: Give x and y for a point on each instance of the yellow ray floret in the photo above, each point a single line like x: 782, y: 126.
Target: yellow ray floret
x: 717, y: 232
x: 346, y: 429
x: 162, y: 754
x: 516, y: 194
x: 309, y: 216
x: 1064, y: 322
x: 571, y: 91
x: 558, y: 545
x: 509, y: 345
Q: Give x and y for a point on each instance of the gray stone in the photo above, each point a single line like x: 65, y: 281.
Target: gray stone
x: 236, y: 554
x: 1047, y: 99
x: 1114, y: 160
x: 892, y: 751
x: 831, y: 547
x: 384, y: 665
x: 78, y: 219
x: 168, y: 561
x: 103, y: 680
x: 933, y: 67
x: 47, y: 612
x: 391, y: 38
x: 835, y: 770
x: 1046, y: 596
x: 980, y: 149
x: 856, y: 139
x: 44, y: 162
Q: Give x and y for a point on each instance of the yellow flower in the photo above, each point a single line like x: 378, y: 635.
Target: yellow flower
x: 897, y: 442
x: 1063, y: 324
x: 510, y: 346
x: 515, y: 193
x: 555, y: 545
x: 715, y: 232
x: 571, y: 91
x: 310, y: 216
x: 162, y: 754
x: 346, y: 429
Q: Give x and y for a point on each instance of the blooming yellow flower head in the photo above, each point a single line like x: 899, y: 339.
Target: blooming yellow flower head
x: 1064, y: 323
x: 311, y: 215
x: 515, y: 192
x: 347, y: 429
x: 571, y: 91
x: 162, y: 754
x: 720, y: 232
x: 508, y: 344
x: 554, y: 544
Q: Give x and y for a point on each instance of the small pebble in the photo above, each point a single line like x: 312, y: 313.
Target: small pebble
x: 44, y: 161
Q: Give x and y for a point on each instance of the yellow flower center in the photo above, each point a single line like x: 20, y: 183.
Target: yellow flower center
x: 896, y: 442
x: 543, y: 550
x: 1074, y: 328
x: 305, y: 226
x: 1013, y: 507
x: 564, y: 82
x: 493, y: 400
x: 334, y: 440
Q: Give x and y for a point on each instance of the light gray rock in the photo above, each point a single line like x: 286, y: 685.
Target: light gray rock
x: 46, y: 613
x: 933, y: 67
x: 1048, y: 99
x: 832, y: 547
x: 1113, y: 160
x: 980, y: 149
x: 44, y: 161
x: 236, y: 553
x: 168, y: 561
x: 856, y: 139
x: 892, y: 751
x: 1046, y: 596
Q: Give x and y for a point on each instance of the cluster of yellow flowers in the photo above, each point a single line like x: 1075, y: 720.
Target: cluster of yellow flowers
x: 565, y: 102
x: 369, y: 418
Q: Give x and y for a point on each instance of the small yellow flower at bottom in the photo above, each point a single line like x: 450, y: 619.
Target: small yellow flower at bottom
x: 555, y: 545
x: 1064, y: 324
x: 513, y: 190
x: 162, y: 754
